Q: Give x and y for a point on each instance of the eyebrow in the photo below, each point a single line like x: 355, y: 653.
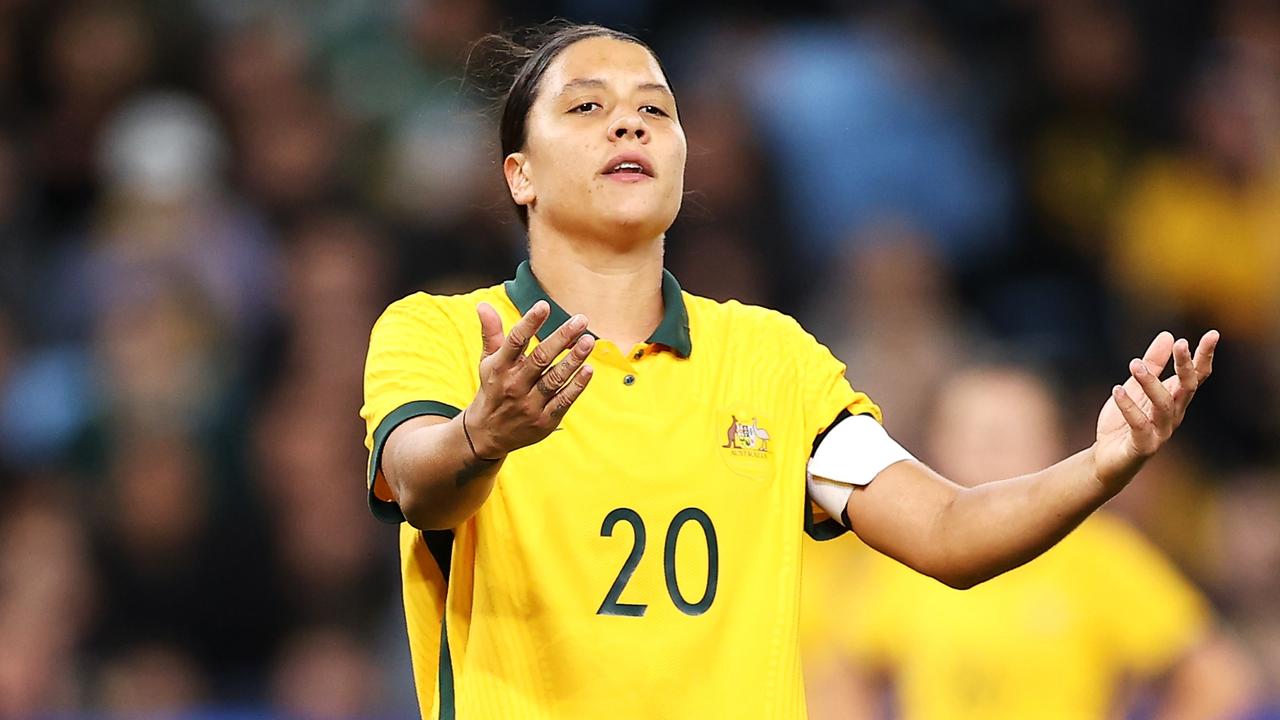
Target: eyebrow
x: 599, y: 84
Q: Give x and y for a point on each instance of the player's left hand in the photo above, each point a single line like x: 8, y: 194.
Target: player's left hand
x: 1143, y: 413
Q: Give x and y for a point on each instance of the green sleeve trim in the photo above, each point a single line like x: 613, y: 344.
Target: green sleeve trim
x: 383, y: 510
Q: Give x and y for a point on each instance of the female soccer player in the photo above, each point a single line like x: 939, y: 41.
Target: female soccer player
x: 639, y: 556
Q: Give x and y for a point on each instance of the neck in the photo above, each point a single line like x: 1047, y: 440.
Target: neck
x: 619, y: 289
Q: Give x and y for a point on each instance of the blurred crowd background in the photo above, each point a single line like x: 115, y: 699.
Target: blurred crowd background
x: 204, y: 205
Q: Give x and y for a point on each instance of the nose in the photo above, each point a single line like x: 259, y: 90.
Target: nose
x: 629, y: 124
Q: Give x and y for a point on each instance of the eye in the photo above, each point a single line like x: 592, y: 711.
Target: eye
x: 584, y: 108
x: 654, y: 110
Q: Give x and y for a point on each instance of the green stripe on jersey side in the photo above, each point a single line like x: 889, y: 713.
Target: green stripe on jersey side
x: 389, y: 512
x: 444, y: 681
x: 440, y: 544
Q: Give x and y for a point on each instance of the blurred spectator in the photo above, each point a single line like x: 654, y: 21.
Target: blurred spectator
x: 46, y: 597
x: 329, y: 568
x: 1197, y: 238
x: 1075, y: 140
x: 326, y: 673
x: 179, y: 573
x: 18, y: 251
x: 152, y: 681
x: 889, y: 134
x: 1196, y: 242
x: 892, y: 318
x: 729, y: 241
x: 1082, y: 149
x: 439, y: 163
x: 1247, y: 559
x: 165, y: 217
x: 1060, y: 637
x: 95, y: 53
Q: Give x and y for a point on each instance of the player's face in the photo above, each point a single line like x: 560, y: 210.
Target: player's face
x: 605, y: 152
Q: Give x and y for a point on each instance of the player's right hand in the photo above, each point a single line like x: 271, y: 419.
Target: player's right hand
x: 523, y: 397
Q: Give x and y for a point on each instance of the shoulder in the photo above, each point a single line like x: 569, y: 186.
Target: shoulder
x: 439, y: 311
x: 742, y: 330
x: 731, y: 316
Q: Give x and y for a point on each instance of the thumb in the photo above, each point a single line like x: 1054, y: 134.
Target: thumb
x: 490, y: 328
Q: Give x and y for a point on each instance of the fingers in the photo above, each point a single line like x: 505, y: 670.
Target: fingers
x: 540, y: 360
x: 1184, y: 366
x: 490, y: 328
x: 1139, y: 423
x: 1162, y: 406
x: 1204, y: 355
x: 518, y: 339
x: 563, y: 400
x: 555, y: 378
x: 1169, y: 398
x: 1157, y: 355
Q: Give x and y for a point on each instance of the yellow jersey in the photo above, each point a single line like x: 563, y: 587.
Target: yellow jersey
x: 643, y: 561
x: 1056, y: 638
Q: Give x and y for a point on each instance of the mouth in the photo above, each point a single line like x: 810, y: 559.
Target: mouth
x: 628, y: 166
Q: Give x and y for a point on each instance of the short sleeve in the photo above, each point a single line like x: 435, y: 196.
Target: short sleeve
x: 417, y: 365
x: 1154, y: 614
x: 825, y: 389
x: 826, y: 396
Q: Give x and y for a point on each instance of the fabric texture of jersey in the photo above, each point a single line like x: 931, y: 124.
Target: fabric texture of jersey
x: 643, y: 561
x: 1056, y: 638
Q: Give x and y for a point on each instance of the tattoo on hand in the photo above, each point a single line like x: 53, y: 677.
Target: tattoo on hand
x: 472, y: 468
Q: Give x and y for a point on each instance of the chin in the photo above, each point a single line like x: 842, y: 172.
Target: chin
x: 639, y: 219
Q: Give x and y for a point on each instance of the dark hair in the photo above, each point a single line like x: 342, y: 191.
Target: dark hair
x: 508, y: 67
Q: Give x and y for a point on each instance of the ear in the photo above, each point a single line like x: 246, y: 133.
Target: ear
x: 519, y: 178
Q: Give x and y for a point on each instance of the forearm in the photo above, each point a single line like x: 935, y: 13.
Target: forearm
x: 963, y: 536
x: 437, y: 480
x: 994, y: 527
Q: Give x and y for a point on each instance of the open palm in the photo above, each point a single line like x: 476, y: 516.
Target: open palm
x: 1142, y: 414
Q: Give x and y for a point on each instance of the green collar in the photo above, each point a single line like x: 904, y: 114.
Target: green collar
x: 673, y: 331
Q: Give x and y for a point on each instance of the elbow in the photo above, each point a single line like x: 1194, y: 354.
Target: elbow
x: 414, y: 512
x: 427, y: 518
x: 957, y: 576
x: 960, y: 581
x: 956, y: 558
x: 957, y: 580
x: 426, y: 511
x: 420, y: 513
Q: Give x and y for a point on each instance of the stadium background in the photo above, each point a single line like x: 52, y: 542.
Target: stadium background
x: 204, y: 204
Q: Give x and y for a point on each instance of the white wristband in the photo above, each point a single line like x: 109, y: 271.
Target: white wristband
x: 853, y: 452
